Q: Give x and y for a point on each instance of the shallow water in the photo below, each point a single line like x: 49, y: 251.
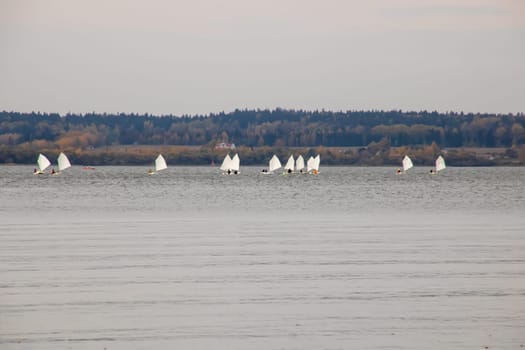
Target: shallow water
x: 353, y: 258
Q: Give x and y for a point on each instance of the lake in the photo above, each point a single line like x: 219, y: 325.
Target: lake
x: 354, y: 258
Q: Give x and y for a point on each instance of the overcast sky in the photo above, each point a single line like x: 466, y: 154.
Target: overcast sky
x: 201, y: 56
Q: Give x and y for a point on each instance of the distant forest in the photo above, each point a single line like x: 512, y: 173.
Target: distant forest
x: 22, y: 135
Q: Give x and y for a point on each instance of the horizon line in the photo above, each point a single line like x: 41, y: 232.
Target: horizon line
x: 321, y: 110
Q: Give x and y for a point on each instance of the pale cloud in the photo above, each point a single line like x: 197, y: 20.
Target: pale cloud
x: 205, y: 15
x: 455, y: 15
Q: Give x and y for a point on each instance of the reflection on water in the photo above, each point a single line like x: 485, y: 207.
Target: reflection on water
x: 352, y: 258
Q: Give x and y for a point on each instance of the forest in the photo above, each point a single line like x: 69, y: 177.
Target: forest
x: 351, y: 137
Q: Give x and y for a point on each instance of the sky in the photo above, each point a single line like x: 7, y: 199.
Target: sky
x: 207, y: 56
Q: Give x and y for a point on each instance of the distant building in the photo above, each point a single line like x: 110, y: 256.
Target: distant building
x: 225, y: 145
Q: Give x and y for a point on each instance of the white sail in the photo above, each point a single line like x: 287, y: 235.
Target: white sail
x: 407, y: 163
x: 289, y: 164
x: 310, y: 164
x: 43, y: 162
x: 160, y: 163
x: 317, y: 162
x: 63, y: 162
x: 440, y: 163
x: 226, y: 163
x: 299, y: 164
x: 235, y: 163
x: 275, y: 164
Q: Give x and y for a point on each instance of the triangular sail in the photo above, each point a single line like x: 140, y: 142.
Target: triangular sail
x: 299, y: 163
x: 63, y: 162
x: 289, y: 164
x: 310, y: 164
x: 235, y: 163
x: 160, y: 163
x: 226, y: 163
x: 317, y: 162
x: 407, y: 163
x: 275, y: 164
x: 440, y: 163
x: 43, y: 162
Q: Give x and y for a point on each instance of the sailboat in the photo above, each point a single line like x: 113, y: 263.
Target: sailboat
x: 63, y: 163
x: 235, y: 164
x: 299, y: 165
x: 288, y: 168
x: 407, y: 164
x: 312, y: 165
x: 42, y: 164
x: 317, y: 162
x: 160, y: 164
x: 440, y: 165
x: 273, y: 165
x: 227, y: 165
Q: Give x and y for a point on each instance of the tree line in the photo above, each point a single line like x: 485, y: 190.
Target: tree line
x: 23, y: 134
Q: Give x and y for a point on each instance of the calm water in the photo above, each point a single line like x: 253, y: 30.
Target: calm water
x: 355, y: 258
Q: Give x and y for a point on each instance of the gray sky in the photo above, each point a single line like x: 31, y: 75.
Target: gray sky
x: 201, y: 56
